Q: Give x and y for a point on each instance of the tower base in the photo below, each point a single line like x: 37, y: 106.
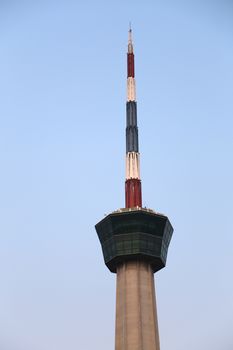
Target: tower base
x: 136, y: 314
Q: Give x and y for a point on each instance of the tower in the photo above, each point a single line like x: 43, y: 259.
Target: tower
x: 134, y: 242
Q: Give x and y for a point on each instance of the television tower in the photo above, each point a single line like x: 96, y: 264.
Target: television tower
x: 134, y: 242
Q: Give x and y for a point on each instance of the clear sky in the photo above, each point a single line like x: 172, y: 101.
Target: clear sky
x: 62, y: 149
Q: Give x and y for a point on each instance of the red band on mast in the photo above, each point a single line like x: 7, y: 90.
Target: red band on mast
x: 133, y: 193
x: 130, y: 65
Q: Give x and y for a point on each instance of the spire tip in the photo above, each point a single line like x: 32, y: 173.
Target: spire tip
x: 130, y: 42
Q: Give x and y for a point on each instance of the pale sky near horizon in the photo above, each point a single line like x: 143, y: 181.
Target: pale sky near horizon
x: 62, y: 149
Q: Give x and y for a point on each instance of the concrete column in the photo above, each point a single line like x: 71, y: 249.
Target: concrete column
x: 136, y: 315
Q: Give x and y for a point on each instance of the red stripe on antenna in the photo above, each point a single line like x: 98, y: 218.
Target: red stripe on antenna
x: 130, y: 65
x: 133, y: 193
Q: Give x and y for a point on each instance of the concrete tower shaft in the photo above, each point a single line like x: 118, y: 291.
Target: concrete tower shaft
x: 136, y: 314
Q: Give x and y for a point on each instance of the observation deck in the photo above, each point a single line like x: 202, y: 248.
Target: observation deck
x: 137, y: 233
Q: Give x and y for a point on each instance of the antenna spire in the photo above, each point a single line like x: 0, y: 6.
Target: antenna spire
x: 130, y: 41
x: 133, y: 194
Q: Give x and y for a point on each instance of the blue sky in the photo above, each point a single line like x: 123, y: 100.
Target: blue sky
x: 62, y: 149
